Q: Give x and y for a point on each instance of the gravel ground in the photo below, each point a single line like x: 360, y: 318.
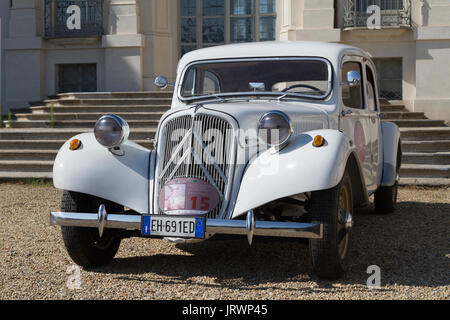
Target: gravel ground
x: 411, y: 246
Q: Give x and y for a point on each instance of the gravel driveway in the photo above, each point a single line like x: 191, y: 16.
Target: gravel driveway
x: 411, y: 247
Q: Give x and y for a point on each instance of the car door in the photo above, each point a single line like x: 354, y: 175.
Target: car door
x: 354, y: 116
x: 373, y: 110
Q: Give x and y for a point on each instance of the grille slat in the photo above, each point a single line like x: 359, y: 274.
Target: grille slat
x: 216, y: 137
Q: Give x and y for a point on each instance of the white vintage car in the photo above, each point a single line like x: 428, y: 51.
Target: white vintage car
x: 278, y: 139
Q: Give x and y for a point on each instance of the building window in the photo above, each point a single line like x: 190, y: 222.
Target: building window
x: 392, y: 12
x: 207, y: 23
x: 73, y: 18
x: 390, y: 77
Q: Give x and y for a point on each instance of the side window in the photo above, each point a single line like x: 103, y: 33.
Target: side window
x: 370, y: 90
x: 189, y: 83
x: 352, y: 96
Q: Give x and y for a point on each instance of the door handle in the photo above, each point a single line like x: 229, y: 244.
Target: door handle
x: 346, y: 112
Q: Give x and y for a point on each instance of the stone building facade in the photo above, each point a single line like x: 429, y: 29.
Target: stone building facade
x: 54, y: 46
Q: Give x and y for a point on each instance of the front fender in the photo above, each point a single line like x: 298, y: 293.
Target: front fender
x: 121, y: 177
x: 299, y: 167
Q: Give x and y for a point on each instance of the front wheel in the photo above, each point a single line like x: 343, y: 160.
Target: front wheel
x: 84, y: 245
x: 334, y: 209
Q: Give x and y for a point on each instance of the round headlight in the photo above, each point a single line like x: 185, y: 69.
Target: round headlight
x: 275, y: 128
x: 111, y: 130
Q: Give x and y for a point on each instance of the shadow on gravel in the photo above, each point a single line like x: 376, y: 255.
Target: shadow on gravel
x: 411, y: 247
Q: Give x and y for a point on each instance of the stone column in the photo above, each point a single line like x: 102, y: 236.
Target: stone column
x: 123, y: 44
x: 160, y: 29
x: 307, y: 20
x: 23, y: 55
x: 432, y: 37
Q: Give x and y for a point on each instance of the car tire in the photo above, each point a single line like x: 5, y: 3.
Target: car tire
x: 386, y: 199
x: 334, y: 209
x: 84, y: 245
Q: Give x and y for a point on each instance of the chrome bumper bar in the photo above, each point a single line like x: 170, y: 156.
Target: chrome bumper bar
x: 248, y: 227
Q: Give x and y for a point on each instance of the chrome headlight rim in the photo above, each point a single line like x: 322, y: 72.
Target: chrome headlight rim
x: 286, y: 140
x: 124, y: 130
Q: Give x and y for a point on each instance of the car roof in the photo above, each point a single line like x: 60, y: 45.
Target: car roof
x: 330, y: 51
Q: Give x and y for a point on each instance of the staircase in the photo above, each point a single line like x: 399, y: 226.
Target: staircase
x: 30, y: 144
x: 425, y: 146
x: 28, y: 148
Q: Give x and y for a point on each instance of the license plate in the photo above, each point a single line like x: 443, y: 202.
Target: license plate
x: 172, y: 226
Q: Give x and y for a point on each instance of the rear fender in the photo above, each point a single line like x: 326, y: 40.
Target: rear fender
x: 391, y: 153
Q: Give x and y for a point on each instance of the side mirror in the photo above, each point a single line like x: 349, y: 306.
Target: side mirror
x: 162, y: 82
x: 353, y: 78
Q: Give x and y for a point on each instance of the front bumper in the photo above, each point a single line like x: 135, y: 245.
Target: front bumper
x: 248, y: 227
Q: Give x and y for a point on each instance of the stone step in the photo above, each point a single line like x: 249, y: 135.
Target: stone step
x: 13, y: 144
x: 111, y: 102
x: 24, y: 154
x: 440, y: 158
x: 115, y: 95
x: 392, y: 108
x: 26, y: 165
x: 87, y: 116
x: 431, y: 182
x: 404, y: 115
x: 103, y: 109
x: 65, y: 134
x: 20, y: 175
x: 151, y: 124
x: 425, y: 171
x: 418, y: 123
x: 426, y: 146
x: 54, y: 145
x: 425, y: 133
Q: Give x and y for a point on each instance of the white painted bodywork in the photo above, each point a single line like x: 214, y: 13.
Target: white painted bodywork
x: 391, y: 139
x: 301, y: 167
x: 122, y: 177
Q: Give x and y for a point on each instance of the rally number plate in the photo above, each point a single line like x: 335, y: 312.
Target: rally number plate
x: 172, y: 226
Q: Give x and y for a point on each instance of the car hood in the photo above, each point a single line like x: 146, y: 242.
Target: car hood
x: 304, y: 116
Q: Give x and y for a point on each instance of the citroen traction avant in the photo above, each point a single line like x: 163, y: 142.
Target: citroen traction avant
x: 276, y: 139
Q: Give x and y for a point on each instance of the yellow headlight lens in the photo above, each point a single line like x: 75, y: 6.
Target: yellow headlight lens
x: 75, y: 144
x: 318, y: 141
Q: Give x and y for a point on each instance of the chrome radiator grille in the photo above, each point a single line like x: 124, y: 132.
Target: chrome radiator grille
x: 201, y: 147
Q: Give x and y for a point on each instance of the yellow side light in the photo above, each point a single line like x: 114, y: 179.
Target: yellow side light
x: 318, y: 141
x: 75, y: 144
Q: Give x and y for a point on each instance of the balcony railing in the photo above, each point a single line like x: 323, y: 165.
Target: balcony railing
x: 74, y: 18
x: 392, y: 13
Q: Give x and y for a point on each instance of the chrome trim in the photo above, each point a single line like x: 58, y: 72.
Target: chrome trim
x: 252, y: 93
x: 193, y: 146
x: 125, y: 129
x: 91, y: 220
x: 348, y: 221
x: 248, y: 227
x: 101, y: 216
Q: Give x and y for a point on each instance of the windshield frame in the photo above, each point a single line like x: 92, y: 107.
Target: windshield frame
x: 253, y: 93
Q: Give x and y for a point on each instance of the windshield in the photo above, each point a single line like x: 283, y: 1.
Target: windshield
x: 308, y: 78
